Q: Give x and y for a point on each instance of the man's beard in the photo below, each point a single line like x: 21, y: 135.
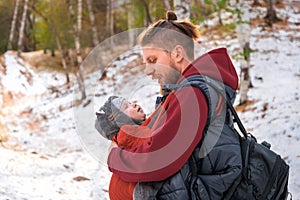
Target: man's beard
x: 172, y: 78
x: 173, y: 75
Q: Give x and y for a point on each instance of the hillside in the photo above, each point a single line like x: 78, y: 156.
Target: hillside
x: 50, y: 149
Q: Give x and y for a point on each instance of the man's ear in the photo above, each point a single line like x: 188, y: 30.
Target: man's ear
x: 179, y: 53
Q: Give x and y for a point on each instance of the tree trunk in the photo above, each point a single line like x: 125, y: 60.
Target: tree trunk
x: 63, y: 59
x: 108, y: 12
x: 76, y: 35
x: 79, y: 16
x: 167, y: 5
x: 245, y: 78
x: 271, y: 14
x: 21, y: 33
x: 58, y: 43
x: 148, y: 16
x: 243, y: 34
x: 110, y: 21
x: 220, y: 17
x: 52, y: 52
x: 92, y: 19
x: 32, y: 22
x: 131, y: 20
x: 256, y: 3
x: 109, y: 18
x: 78, y: 51
x: 182, y: 9
x: 13, y: 26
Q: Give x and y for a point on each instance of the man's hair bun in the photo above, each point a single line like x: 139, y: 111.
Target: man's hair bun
x: 171, y: 16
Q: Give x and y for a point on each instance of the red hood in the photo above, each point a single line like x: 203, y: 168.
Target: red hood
x: 215, y: 64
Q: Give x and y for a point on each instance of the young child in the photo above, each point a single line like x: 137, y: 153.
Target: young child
x: 121, y: 121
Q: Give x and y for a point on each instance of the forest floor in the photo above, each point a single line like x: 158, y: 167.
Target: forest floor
x: 51, y: 150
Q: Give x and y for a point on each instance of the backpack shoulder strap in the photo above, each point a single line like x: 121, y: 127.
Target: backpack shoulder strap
x: 199, y: 81
x: 231, y: 108
x: 203, y: 82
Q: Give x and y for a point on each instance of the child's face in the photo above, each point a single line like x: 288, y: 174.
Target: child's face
x: 133, y: 110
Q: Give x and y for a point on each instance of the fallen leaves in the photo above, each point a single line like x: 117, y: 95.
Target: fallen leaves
x: 81, y: 178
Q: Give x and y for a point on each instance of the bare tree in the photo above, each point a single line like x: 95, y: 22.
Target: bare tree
x: 243, y: 33
x: 58, y: 43
x: 148, y: 16
x: 63, y: 58
x: 13, y: 26
x: 92, y: 19
x: 182, y: 9
x: 21, y: 33
x: 131, y: 20
x: 167, y: 5
x: 76, y: 35
x: 79, y: 73
x: 79, y: 16
x: 271, y: 13
x: 109, y: 17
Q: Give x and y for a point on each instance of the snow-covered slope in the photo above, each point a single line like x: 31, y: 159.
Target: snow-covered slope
x: 54, y: 152
x: 275, y: 72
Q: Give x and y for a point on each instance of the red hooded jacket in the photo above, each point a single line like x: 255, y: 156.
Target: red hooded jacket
x: 177, y: 129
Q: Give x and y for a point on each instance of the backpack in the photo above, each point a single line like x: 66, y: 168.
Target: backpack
x: 264, y: 173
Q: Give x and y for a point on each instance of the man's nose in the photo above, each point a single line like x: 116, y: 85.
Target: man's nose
x: 149, y: 70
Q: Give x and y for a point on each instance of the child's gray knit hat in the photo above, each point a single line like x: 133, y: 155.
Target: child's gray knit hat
x: 110, y: 117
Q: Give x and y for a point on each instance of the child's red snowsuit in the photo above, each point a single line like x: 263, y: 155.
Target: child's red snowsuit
x: 130, y: 137
x: 126, y: 138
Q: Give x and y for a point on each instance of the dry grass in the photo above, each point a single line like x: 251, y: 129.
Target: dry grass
x: 219, y: 32
x: 44, y: 61
x: 246, y: 106
x: 3, y: 133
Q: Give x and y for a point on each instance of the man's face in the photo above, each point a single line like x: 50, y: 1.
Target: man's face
x: 160, y: 65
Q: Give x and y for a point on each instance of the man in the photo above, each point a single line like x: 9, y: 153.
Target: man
x: 178, y: 130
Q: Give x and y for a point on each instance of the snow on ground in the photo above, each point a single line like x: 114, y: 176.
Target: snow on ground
x: 54, y: 152
x: 44, y: 158
x: 275, y: 115
x: 28, y: 82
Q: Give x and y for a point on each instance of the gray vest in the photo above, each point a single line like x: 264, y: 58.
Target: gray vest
x: 216, y: 161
